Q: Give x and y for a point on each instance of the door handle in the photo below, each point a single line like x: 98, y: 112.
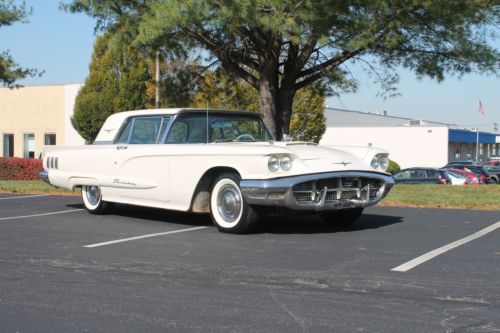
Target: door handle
x: 121, y: 147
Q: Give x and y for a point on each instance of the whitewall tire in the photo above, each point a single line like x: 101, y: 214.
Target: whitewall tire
x: 228, y: 209
x: 92, y: 200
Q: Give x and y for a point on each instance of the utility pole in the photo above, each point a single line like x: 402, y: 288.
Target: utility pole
x: 157, y: 80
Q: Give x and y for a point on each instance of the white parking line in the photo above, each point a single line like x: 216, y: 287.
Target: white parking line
x: 432, y: 254
x: 141, y: 237
x: 37, y: 215
x: 25, y: 196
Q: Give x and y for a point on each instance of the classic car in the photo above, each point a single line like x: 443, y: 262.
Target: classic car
x: 420, y: 175
x: 225, y: 163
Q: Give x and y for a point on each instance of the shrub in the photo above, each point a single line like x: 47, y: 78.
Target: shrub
x: 393, y: 167
x: 14, y: 168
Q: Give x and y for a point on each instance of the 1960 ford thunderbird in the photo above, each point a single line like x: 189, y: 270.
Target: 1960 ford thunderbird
x: 225, y: 163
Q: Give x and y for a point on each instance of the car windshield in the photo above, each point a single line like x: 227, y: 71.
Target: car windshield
x: 192, y: 128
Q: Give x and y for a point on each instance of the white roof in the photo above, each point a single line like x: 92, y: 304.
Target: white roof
x: 113, y: 123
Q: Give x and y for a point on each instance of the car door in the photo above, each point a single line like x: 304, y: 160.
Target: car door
x: 141, y: 163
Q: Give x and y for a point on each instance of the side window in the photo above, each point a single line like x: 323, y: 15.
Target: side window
x: 178, y: 133
x: 143, y: 130
x: 418, y: 174
x: 124, y: 136
x: 402, y: 175
x: 432, y: 174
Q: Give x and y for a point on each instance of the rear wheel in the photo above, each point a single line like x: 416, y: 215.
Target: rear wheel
x: 343, y: 217
x: 228, y: 208
x: 92, y: 200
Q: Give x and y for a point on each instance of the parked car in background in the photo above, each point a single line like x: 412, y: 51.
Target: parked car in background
x: 493, y: 170
x: 224, y: 163
x: 451, y: 164
x: 470, y: 178
x: 423, y: 176
x: 488, y: 178
x: 493, y: 163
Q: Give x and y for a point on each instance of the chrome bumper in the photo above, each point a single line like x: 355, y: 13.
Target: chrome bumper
x: 279, y: 192
x: 45, y: 176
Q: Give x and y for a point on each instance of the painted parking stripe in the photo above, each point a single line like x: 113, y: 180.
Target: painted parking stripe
x: 25, y: 196
x: 432, y: 254
x: 43, y: 214
x: 142, y: 237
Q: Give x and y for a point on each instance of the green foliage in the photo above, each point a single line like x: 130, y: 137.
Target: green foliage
x: 393, y: 167
x: 10, y: 72
x: 280, y: 47
x: 116, y: 82
x: 220, y: 90
x: 308, y: 118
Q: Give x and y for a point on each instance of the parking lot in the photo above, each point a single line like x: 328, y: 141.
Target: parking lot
x: 147, y: 270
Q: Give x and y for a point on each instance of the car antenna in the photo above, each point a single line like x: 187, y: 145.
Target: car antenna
x: 207, y: 121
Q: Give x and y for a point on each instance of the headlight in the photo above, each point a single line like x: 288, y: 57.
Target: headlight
x: 286, y: 163
x: 374, y: 163
x: 273, y: 164
x: 384, y: 163
x: 276, y: 162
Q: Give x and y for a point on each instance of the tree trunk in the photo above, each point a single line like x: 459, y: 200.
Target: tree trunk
x: 284, y: 103
x: 268, y: 89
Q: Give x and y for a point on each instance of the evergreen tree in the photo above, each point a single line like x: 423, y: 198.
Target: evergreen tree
x: 10, y: 71
x: 280, y: 47
x: 116, y: 82
x: 220, y: 90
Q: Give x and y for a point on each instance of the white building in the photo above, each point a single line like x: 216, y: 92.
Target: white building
x: 410, y: 142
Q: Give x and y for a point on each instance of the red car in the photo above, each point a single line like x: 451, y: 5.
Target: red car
x: 470, y: 178
x: 493, y: 163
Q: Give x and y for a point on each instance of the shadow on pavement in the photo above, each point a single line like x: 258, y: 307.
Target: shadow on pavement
x: 311, y: 224
x: 297, y: 224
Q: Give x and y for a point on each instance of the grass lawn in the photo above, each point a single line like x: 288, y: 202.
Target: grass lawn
x: 485, y: 197
x: 32, y: 187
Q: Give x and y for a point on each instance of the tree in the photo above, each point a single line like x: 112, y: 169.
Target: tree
x: 10, y: 71
x: 308, y: 117
x: 116, y: 82
x: 217, y: 89
x: 280, y: 47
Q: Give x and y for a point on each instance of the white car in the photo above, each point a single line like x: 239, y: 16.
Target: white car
x: 225, y: 163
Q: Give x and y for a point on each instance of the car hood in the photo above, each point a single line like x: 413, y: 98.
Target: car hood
x: 316, y: 156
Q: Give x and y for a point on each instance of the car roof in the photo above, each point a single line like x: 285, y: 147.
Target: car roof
x: 114, y: 122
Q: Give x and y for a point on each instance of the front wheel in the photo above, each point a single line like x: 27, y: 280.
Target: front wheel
x: 228, y: 209
x: 92, y: 200
x: 342, y: 218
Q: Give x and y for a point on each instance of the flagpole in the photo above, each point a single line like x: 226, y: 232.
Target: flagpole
x: 477, y: 143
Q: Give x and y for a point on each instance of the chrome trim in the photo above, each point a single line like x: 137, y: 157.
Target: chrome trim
x: 45, y: 176
x: 265, y: 192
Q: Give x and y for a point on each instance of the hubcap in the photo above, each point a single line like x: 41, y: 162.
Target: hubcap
x: 93, y: 195
x: 229, y: 203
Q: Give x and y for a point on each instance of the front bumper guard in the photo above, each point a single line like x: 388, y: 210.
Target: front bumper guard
x: 278, y: 192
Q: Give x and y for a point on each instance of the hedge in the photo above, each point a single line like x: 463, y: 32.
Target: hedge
x: 13, y: 168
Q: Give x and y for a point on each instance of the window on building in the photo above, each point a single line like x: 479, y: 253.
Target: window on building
x: 8, y: 145
x: 29, y: 145
x: 49, y: 139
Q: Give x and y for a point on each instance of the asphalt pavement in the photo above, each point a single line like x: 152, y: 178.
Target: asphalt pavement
x: 150, y: 270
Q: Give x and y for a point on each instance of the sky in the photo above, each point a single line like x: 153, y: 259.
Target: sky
x: 61, y: 44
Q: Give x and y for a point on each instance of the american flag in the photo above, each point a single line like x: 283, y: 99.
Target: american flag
x: 481, y: 109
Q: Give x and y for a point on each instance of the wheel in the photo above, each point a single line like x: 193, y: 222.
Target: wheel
x: 342, y: 217
x: 92, y: 200
x: 228, y: 209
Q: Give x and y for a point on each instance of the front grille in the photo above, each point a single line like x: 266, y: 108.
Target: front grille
x: 340, y: 191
